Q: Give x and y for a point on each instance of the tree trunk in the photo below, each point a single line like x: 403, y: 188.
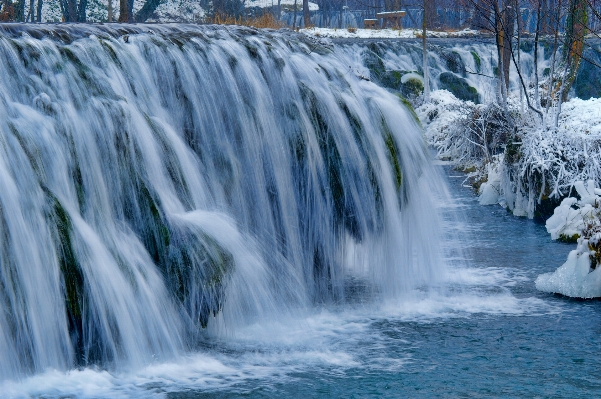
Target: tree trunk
x: 294, y: 22
x: 508, y: 29
x: 536, y: 39
x: 39, y: 15
x: 430, y: 11
x: 72, y: 11
x: 81, y: 10
x: 19, y: 10
x: 553, y: 60
x: 123, y: 11
x: 516, y: 4
x: 110, y: 11
x: 500, y: 37
x: 425, y: 53
x: 306, y: 14
x: 576, y: 27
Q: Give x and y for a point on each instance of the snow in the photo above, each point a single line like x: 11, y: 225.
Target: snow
x: 490, y: 191
x: 412, y: 75
x: 574, y: 278
x: 560, y: 156
x: 384, y: 33
x: 283, y: 3
x: 439, y: 115
x: 565, y: 157
x: 572, y: 215
x: 569, y: 153
x: 582, y: 116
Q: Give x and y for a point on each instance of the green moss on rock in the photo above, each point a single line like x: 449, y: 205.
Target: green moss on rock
x: 412, y: 87
x: 459, y: 87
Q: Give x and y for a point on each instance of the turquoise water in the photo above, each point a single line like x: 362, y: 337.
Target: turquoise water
x: 488, y: 333
x: 504, y: 340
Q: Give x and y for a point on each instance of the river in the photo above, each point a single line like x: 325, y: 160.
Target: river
x: 487, y: 333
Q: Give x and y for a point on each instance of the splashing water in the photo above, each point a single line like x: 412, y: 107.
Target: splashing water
x: 160, y: 180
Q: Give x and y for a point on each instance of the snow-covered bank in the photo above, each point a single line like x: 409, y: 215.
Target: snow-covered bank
x: 575, y: 278
x: 533, y: 162
x: 580, y: 218
x: 354, y: 33
x: 523, y: 164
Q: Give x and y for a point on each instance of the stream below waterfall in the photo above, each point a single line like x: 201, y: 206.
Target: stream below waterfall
x: 488, y: 333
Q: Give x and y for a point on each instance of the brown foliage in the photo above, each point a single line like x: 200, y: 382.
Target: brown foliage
x: 264, y: 21
x: 7, y: 13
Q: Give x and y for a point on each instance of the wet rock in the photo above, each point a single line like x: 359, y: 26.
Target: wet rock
x: 459, y: 87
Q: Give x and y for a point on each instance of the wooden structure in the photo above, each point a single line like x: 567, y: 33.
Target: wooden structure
x: 369, y: 23
x: 391, y: 17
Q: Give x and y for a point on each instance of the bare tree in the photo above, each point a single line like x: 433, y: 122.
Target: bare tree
x: 425, y: 53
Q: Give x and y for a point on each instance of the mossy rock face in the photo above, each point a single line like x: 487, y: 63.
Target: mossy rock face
x: 197, y: 271
x: 527, y: 45
x: 569, y: 239
x: 392, y: 79
x: 378, y: 73
x: 588, y: 80
x: 477, y: 61
x: 459, y: 87
x: 343, y: 204
x: 409, y: 106
x: 72, y: 278
x: 512, y: 151
x: 544, y: 210
x: 412, y: 88
x: 374, y: 63
x: 454, y: 62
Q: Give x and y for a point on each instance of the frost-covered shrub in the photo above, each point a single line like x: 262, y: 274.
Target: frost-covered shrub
x: 439, y: 116
x: 575, y: 216
x: 539, y: 163
x: 472, y: 133
x: 579, y: 276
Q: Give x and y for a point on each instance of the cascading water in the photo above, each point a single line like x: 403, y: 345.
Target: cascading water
x: 159, y: 180
x: 465, y: 67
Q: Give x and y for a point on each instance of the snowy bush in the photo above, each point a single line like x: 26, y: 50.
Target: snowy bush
x: 577, y: 277
x: 574, y: 216
x: 465, y: 132
x: 538, y: 162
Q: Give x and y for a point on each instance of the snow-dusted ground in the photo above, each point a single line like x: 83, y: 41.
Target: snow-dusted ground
x: 581, y: 116
x: 97, y: 11
x: 384, y: 33
x: 285, y: 4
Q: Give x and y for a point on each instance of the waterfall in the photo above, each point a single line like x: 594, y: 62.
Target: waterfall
x: 160, y: 182
x: 465, y: 67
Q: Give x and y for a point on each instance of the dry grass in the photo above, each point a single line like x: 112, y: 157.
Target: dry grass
x: 7, y: 14
x: 264, y: 21
x: 351, y: 30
